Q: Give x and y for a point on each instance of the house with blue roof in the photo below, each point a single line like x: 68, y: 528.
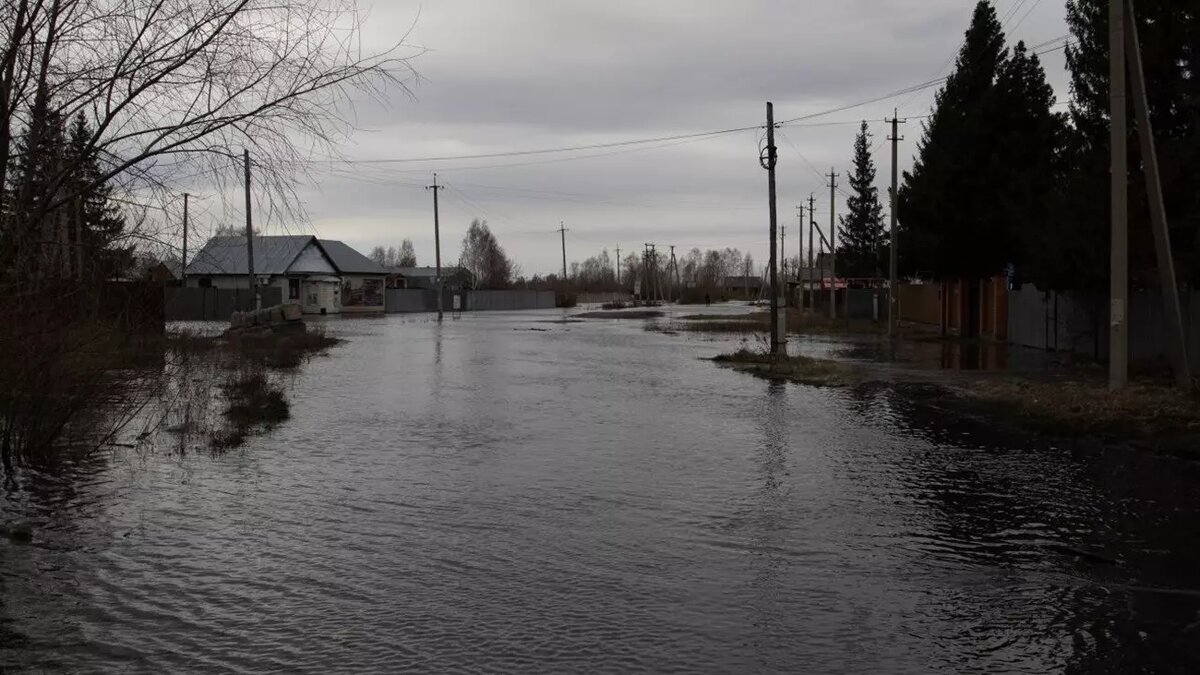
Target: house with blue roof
x: 323, y: 276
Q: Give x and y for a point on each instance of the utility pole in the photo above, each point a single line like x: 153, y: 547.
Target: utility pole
x: 800, y: 256
x: 812, y: 219
x: 893, y: 264
x: 783, y: 259
x: 183, y: 266
x: 657, y: 287
x: 562, y: 230
x: 675, y: 264
x: 250, y: 233
x: 769, y: 159
x: 618, y: 267
x: 832, y: 244
x: 1118, y: 358
x: 1176, y: 339
x: 437, y: 245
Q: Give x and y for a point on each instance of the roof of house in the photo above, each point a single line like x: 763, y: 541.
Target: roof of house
x: 349, y: 261
x: 274, y: 255
x: 417, y: 272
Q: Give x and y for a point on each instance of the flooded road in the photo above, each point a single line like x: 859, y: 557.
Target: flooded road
x: 506, y: 493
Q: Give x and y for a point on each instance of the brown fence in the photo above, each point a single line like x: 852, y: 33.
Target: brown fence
x: 920, y: 303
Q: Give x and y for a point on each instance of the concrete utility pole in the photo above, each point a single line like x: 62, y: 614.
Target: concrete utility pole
x: 1118, y: 358
x: 437, y: 245
x: 183, y: 267
x: 812, y: 272
x: 1176, y: 338
x: 250, y: 233
x: 769, y: 159
x: 893, y: 265
x: 562, y: 230
x: 832, y: 244
x: 618, y: 267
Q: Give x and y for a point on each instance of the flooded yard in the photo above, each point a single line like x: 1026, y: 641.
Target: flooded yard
x: 516, y: 493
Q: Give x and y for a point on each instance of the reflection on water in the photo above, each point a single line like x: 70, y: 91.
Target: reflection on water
x: 478, y: 496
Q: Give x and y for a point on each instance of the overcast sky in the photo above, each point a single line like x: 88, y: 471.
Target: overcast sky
x: 514, y: 75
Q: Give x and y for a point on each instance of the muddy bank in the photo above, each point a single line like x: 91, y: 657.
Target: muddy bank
x: 1147, y: 415
x: 619, y: 314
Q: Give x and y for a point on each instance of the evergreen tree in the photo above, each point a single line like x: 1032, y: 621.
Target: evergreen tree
x: 57, y: 182
x: 949, y: 192
x: 96, y: 224
x: 862, y: 238
x: 1169, y: 31
x: 1027, y: 166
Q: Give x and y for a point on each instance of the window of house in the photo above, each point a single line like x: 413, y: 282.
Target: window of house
x: 293, y: 289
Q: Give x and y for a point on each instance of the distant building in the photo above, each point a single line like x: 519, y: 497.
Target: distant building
x: 324, y: 276
x: 455, y: 278
x: 747, y: 286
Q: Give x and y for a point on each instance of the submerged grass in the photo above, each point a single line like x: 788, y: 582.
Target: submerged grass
x: 799, y: 369
x: 617, y: 314
x: 1143, y: 410
x: 254, y: 404
x: 798, y: 323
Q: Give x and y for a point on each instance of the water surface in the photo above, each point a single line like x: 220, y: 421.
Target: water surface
x: 508, y: 493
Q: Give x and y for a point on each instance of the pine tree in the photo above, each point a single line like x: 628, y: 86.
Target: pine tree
x: 862, y: 236
x: 95, y: 221
x: 1027, y: 166
x: 1169, y: 31
x: 949, y: 193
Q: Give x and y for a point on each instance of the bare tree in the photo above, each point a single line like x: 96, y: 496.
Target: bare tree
x: 408, y: 255
x: 484, y: 258
x: 172, y: 91
x: 379, y: 255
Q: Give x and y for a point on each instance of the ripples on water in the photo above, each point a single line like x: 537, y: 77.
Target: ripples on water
x: 485, y: 497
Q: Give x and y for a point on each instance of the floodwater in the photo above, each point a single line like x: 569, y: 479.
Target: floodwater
x: 508, y: 493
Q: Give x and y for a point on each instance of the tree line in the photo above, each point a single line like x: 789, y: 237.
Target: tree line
x: 1001, y: 180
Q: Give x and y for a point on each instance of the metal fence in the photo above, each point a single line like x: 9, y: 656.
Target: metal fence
x: 1078, y: 323
x: 412, y: 300
x: 215, y: 304
x: 493, y: 301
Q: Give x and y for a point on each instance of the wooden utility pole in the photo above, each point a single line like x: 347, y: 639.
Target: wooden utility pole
x: 1118, y: 358
x: 437, y: 246
x: 893, y: 264
x: 618, y: 267
x: 1176, y: 340
x: 183, y: 266
x: 678, y: 283
x: 250, y: 233
x: 800, y: 255
x: 812, y: 272
x: 769, y: 159
x: 832, y: 244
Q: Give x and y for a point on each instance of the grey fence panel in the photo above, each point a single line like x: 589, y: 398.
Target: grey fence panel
x: 860, y: 303
x: 214, y: 304
x: 1027, y: 317
x: 408, y: 300
x: 1078, y: 323
x: 495, y: 301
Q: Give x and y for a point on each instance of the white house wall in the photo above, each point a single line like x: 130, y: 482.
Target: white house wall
x: 312, y: 261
